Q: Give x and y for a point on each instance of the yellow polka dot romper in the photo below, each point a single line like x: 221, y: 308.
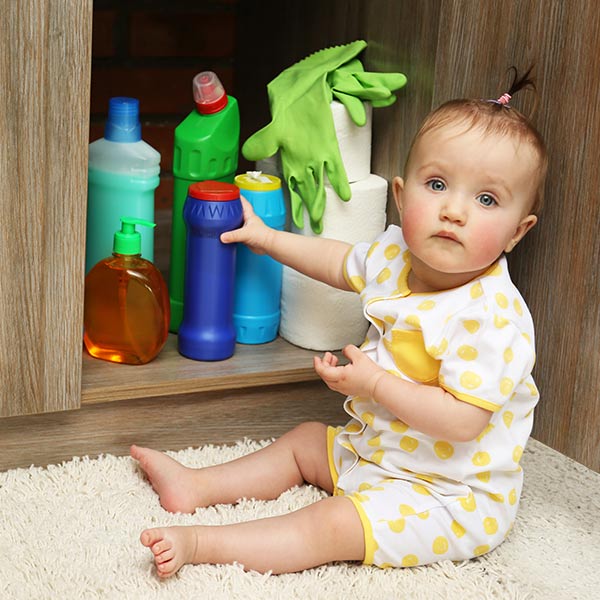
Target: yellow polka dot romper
x: 422, y: 499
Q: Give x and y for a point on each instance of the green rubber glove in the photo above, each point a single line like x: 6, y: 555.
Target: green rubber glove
x: 302, y: 130
x: 351, y: 85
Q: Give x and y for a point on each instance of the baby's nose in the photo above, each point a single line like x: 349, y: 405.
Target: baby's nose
x: 453, y: 210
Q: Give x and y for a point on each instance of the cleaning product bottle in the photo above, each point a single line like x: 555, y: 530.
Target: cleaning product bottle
x: 206, y: 148
x: 256, y: 311
x: 126, y: 311
x: 123, y: 172
x: 207, y: 331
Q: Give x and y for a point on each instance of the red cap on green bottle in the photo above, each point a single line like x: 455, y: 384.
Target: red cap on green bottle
x: 209, y: 93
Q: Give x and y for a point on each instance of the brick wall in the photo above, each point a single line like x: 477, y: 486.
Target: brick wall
x: 151, y: 50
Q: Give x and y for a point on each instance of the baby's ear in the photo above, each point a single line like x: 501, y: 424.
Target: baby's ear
x: 398, y: 190
x: 524, y: 226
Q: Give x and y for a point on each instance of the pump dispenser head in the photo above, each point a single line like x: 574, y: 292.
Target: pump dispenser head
x: 209, y: 93
x: 128, y: 240
x: 123, y: 123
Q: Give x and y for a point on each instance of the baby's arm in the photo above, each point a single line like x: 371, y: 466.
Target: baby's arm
x: 425, y: 408
x: 318, y: 258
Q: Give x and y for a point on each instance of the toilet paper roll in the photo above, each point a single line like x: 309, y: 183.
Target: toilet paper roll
x: 313, y: 314
x: 354, y: 141
x: 318, y: 317
x: 359, y: 219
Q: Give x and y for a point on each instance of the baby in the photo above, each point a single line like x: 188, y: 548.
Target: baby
x: 440, y: 394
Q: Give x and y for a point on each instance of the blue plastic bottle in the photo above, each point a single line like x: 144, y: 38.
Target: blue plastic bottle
x: 207, y: 331
x: 123, y: 172
x: 256, y: 307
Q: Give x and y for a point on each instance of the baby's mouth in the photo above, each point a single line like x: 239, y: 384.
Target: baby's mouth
x: 447, y: 235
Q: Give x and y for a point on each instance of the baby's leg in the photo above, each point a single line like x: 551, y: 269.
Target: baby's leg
x: 326, y: 531
x: 298, y: 456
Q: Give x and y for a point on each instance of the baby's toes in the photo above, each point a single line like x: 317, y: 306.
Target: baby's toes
x: 167, y: 568
x: 164, y: 556
x: 150, y: 537
x: 161, y: 547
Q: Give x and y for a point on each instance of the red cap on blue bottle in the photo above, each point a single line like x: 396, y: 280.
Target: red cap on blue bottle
x: 214, y: 191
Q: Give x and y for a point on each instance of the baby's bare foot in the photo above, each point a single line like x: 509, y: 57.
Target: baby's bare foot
x: 177, y: 486
x: 172, y: 547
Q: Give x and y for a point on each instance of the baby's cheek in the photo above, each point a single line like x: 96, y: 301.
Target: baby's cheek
x: 413, y: 221
x: 490, y: 243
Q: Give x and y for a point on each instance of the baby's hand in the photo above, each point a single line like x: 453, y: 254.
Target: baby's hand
x: 254, y: 233
x: 357, y: 378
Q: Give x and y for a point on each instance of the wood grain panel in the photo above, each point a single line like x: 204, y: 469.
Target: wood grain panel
x: 561, y: 275
x: 402, y: 37
x: 44, y: 114
x: 166, y: 423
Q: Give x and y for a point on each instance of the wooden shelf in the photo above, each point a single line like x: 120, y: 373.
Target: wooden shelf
x: 173, y: 402
x: 171, y: 374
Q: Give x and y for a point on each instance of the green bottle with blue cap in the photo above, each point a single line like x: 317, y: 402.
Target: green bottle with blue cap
x: 126, y: 309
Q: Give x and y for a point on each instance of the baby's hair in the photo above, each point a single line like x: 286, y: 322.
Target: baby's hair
x: 494, y: 116
x: 518, y: 84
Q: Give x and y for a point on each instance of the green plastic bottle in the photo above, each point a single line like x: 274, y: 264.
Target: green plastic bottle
x: 206, y: 147
x: 126, y: 309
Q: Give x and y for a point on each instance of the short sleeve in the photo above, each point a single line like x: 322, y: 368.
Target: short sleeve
x: 368, y: 263
x: 484, y: 364
x: 355, y: 266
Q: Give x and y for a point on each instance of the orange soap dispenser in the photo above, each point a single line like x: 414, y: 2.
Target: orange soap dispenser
x: 126, y: 312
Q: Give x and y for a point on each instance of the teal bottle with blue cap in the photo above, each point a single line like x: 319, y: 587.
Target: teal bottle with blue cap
x: 123, y: 173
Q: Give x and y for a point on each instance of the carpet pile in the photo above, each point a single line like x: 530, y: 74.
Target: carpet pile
x: 71, y: 531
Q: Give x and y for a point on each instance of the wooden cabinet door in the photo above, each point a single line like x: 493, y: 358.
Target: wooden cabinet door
x: 44, y: 122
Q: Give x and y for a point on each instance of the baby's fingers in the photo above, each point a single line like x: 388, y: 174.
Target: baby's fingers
x: 325, y: 370
x: 247, y: 208
x: 330, y: 359
x: 229, y: 237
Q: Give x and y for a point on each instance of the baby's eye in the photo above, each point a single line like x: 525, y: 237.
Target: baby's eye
x: 437, y: 185
x: 486, y: 200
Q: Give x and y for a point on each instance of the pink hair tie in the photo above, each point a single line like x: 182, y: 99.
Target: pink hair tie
x: 504, y: 99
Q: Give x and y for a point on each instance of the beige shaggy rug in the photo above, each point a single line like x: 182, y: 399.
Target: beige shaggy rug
x: 70, y: 531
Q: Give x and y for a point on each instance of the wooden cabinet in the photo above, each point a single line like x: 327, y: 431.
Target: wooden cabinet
x: 445, y: 47
x: 44, y: 116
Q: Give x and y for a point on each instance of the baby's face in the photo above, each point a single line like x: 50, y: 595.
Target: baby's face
x: 465, y: 200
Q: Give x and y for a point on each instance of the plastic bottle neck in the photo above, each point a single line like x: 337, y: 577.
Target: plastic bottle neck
x: 123, y: 122
x: 211, y: 108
